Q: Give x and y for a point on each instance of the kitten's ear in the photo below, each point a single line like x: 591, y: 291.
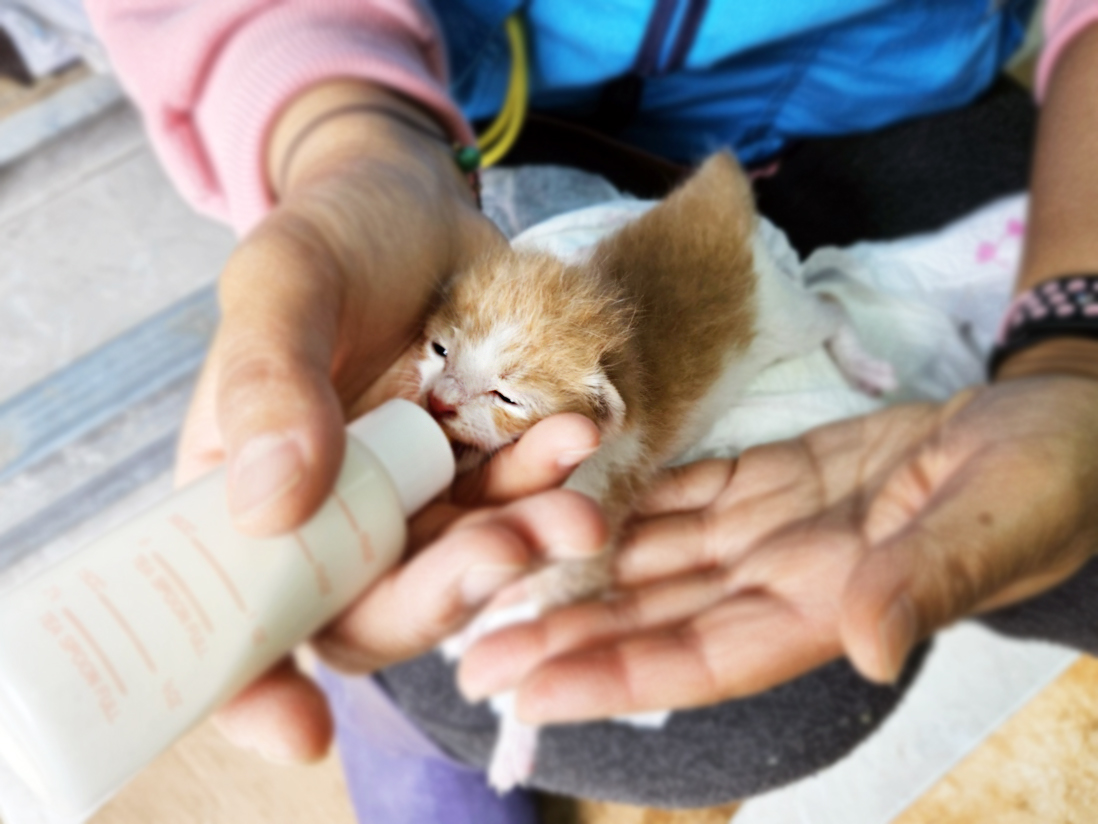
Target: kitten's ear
x: 713, y: 210
x: 607, y: 403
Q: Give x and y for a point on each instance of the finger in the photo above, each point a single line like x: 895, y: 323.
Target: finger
x: 559, y: 524
x: 277, y: 411
x: 690, y: 487
x: 744, y: 646
x: 542, y: 458
x: 283, y: 716
x: 667, y: 546
x: 430, y: 522
x: 679, y: 543
x: 978, y: 535
x: 414, y: 608
x: 768, y: 489
x: 501, y: 660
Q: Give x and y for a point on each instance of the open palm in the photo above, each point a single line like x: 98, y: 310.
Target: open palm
x: 859, y: 538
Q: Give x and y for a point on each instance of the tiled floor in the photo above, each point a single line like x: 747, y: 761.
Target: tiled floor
x: 92, y: 240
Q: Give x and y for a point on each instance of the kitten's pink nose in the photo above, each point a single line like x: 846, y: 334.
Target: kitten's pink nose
x: 439, y: 409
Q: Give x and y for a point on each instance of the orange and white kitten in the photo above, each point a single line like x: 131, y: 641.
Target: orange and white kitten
x: 653, y: 336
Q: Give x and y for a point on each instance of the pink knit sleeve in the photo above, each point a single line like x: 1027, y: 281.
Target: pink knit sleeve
x: 210, y: 77
x: 1064, y: 19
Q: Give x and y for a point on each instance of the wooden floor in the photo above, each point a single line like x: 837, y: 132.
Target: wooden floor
x: 1040, y: 767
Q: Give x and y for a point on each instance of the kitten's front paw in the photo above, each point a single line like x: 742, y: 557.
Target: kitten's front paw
x: 871, y: 375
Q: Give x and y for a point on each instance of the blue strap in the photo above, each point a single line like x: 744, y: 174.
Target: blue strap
x: 687, y: 34
x: 647, y: 63
x: 621, y: 99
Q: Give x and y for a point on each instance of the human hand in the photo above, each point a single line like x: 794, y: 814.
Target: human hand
x: 495, y: 530
x: 323, y: 296
x: 858, y: 538
x: 316, y: 304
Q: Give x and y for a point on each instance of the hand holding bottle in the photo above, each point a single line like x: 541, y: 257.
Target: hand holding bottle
x: 461, y: 553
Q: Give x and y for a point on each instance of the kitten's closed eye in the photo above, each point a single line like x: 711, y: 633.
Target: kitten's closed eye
x: 504, y: 398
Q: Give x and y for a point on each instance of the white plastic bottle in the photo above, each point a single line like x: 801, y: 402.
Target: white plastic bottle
x: 110, y: 656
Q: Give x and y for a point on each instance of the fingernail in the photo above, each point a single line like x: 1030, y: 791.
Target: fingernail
x: 896, y: 635
x: 267, y: 468
x: 574, y: 457
x: 485, y: 580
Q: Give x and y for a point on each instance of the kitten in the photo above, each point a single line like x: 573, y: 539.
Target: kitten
x: 652, y: 337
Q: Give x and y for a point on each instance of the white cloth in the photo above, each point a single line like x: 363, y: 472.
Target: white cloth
x: 929, y: 305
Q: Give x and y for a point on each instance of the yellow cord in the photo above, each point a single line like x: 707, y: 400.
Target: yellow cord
x: 498, y: 138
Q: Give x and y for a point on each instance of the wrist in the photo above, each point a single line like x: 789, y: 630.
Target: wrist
x: 320, y: 134
x: 1057, y: 356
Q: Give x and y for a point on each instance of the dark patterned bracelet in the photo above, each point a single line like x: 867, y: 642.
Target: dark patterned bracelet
x: 1066, y: 307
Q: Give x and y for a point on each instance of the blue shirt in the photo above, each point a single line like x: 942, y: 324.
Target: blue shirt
x: 750, y: 74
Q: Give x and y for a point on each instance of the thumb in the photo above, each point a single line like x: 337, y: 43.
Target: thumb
x: 970, y: 539
x: 278, y: 414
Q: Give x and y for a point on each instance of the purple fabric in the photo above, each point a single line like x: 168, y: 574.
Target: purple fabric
x: 396, y: 775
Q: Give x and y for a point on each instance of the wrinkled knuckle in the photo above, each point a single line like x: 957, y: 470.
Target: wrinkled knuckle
x: 960, y: 581
x: 625, y: 613
x: 258, y: 373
